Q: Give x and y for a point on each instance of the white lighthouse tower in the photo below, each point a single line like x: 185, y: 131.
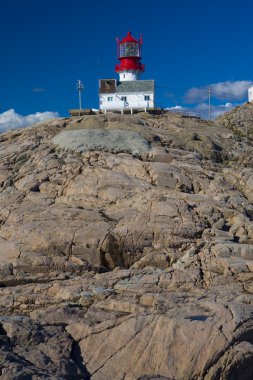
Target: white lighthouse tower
x: 250, y: 94
x: 129, y: 93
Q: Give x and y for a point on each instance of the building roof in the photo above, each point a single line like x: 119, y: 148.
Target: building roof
x: 135, y: 86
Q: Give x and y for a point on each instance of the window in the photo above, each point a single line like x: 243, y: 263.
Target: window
x: 129, y: 49
x: 124, y: 98
x: 109, y: 98
x: 146, y: 97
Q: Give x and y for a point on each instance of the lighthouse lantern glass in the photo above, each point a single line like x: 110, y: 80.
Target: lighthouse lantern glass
x: 129, y: 49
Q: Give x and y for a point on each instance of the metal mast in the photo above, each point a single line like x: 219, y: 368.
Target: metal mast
x: 209, y: 103
x: 80, y: 88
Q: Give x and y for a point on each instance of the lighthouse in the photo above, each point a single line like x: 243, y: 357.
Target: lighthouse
x: 129, y: 93
x: 129, y: 54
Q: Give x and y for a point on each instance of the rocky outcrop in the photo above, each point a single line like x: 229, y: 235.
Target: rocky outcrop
x: 239, y: 120
x: 126, y: 250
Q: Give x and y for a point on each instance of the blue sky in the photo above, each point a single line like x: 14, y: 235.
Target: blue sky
x: 47, y: 45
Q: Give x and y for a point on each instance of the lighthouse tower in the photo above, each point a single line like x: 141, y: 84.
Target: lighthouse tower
x: 129, y: 54
x: 129, y: 93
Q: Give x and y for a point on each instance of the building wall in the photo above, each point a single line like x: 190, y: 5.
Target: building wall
x: 133, y: 101
x: 250, y: 92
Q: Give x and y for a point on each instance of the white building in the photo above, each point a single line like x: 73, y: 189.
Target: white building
x: 126, y: 95
x: 250, y: 94
x: 129, y: 93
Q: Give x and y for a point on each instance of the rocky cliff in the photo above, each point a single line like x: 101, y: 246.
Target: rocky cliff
x: 126, y: 250
x: 239, y: 119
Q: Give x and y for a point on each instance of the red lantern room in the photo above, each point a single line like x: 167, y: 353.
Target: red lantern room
x: 129, y: 54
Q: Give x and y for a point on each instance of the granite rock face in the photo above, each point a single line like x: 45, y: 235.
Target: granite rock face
x: 110, y: 140
x: 240, y: 120
x: 126, y: 250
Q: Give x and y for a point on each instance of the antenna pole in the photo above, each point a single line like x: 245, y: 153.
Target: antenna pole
x: 209, y: 103
x: 80, y: 88
x: 80, y: 100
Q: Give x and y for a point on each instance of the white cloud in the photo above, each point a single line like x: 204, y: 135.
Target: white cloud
x: 12, y: 120
x: 236, y: 90
x: 224, y: 96
x: 202, y: 110
x: 176, y: 108
x: 216, y: 110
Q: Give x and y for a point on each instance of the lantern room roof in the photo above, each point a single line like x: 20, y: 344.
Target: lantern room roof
x: 128, y: 38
